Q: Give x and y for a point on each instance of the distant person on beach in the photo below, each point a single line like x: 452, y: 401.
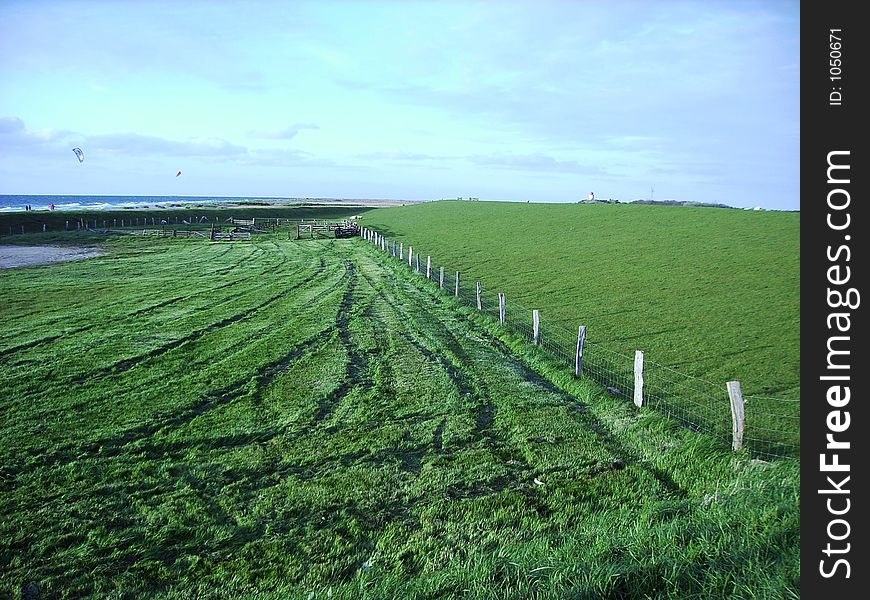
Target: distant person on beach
x: 51, y: 206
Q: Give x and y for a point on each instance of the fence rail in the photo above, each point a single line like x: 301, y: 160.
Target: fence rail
x: 152, y: 232
x: 766, y: 427
x: 143, y: 222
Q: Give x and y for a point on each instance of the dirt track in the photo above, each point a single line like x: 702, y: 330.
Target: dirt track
x: 25, y: 256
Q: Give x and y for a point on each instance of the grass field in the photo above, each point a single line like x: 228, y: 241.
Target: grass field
x: 709, y: 292
x: 283, y: 419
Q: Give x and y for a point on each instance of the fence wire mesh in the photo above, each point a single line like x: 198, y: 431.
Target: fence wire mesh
x: 772, y: 425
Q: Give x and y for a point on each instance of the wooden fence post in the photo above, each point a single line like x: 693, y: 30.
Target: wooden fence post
x: 638, y: 378
x: 401, y: 250
x: 66, y: 226
x: 738, y: 414
x: 501, y: 307
x: 417, y: 263
x: 479, y: 305
x: 441, y: 279
x: 578, y: 359
x: 428, y: 267
x: 536, y: 327
x: 410, y: 255
x: 43, y: 228
x: 457, y: 285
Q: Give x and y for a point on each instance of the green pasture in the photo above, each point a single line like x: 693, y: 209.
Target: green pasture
x: 711, y: 293
x: 310, y: 419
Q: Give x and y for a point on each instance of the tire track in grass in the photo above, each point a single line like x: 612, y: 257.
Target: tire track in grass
x: 34, y: 343
x: 138, y: 443
x: 470, y: 386
x: 577, y: 411
x: 104, y: 278
x: 485, y: 415
x: 580, y: 414
x: 252, y: 257
x: 237, y: 346
x: 72, y: 332
x: 355, y: 361
x: 112, y: 446
x: 485, y: 433
x: 127, y: 364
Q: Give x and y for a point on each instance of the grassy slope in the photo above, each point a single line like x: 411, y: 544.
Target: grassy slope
x: 712, y: 293
x: 273, y: 419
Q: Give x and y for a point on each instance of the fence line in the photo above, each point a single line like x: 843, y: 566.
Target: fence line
x: 766, y: 427
x: 142, y: 222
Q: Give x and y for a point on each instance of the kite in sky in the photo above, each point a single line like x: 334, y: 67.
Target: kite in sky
x: 79, y: 153
x: 177, y: 174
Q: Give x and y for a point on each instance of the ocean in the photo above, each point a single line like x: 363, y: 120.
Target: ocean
x: 11, y: 203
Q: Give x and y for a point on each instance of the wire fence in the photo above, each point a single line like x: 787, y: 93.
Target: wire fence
x: 165, y: 222
x: 772, y: 425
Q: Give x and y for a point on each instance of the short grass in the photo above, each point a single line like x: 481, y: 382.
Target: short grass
x: 283, y: 419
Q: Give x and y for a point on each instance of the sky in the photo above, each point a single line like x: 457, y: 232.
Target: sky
x: 539, y: 101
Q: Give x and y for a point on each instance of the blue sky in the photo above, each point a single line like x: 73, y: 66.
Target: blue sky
x: 540, y: 101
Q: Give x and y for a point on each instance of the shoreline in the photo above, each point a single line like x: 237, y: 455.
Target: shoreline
x: 172, y: 203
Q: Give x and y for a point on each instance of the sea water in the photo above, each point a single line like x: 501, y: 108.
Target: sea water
x: 11, y: 203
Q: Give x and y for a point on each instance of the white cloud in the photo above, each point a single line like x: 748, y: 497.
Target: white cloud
x: 136, y: 144
x: 287, y: 133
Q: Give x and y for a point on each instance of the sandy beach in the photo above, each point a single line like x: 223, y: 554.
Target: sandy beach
x: 26, y: 256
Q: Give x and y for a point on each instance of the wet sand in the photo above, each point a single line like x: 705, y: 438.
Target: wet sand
x: 26, y: 256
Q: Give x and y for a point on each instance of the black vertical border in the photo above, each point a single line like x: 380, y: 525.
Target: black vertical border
x: 826, y: 128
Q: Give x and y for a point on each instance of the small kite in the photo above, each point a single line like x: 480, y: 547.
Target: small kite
x: 177, y: 174
x: 79, y: 154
